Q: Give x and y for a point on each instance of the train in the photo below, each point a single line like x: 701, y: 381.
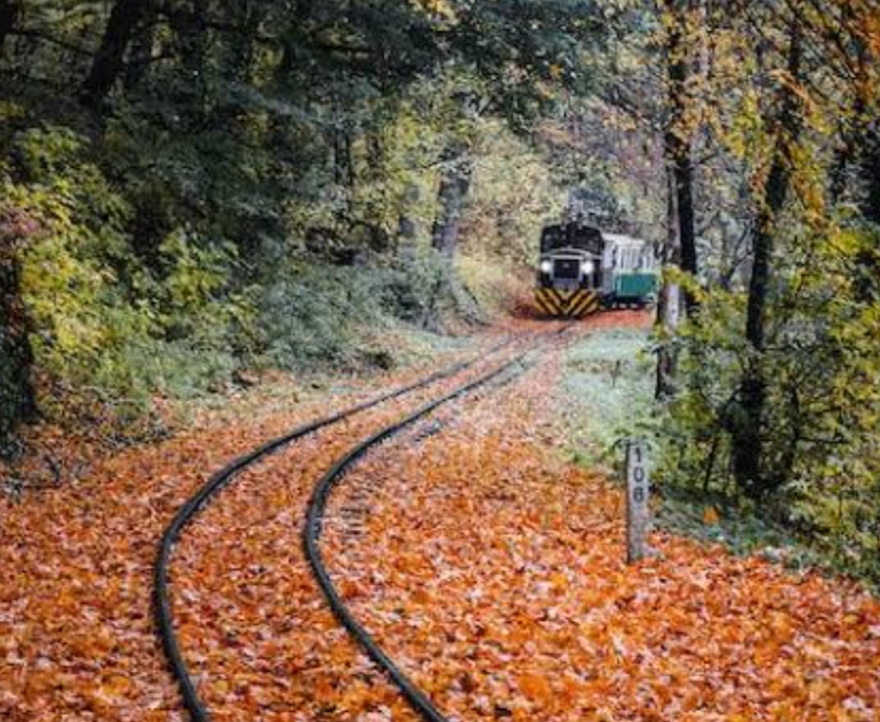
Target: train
x: 583, y: 269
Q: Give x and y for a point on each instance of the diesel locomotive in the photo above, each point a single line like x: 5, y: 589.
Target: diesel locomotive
x: 582, y: 269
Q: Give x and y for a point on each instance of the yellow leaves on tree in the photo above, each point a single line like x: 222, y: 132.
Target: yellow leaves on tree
x: 440, y: 9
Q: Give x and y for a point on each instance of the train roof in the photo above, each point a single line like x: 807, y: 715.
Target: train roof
x: 621, y: 240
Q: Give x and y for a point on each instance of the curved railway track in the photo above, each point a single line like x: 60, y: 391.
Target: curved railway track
x: 189, y: 511
x: 312, y: 533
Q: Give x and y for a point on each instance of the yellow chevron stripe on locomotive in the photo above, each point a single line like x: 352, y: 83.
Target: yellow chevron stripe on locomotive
x: 566, y: 304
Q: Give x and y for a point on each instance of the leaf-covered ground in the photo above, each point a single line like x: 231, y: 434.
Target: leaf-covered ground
x: 76, y: 635
x: 488, y: 567
x: 494, y: 573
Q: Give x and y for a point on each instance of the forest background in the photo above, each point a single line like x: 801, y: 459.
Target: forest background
x: 196, y: 191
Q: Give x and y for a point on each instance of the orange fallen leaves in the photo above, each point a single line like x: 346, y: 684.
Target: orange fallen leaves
x: 489, y: 569
x: 76, y: 635
x: 535, y: 687
x: 530, y: 589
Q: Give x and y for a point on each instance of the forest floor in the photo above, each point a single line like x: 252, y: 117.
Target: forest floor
x: 487, y: 565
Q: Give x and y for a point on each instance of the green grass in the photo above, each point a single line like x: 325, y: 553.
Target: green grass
x: 608, y: 393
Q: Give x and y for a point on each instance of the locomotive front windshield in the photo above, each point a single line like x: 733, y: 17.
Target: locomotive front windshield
x: 552, y: 238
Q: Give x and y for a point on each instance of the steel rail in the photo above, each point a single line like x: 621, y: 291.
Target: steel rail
x: 189, y: 510
x: 417, y: 699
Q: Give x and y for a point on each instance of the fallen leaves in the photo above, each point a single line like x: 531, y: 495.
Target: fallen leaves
x: 535, y: 687
x: 488, y: 568
x: 76, y: 634
x: 528, y: 596
x: 711, y: 516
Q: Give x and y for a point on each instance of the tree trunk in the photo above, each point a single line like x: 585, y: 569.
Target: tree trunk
x: 247, y: 17
x: 10, y: 12
x: 17, y: 402
x: 678, y: 138
x: 291, y: 41
x: 680, y: 249
x: 867, y: 271
x: 108, y: 61
x: 858, y: 127
x: 686, y: 222
x: 377, y: 199
x: 454, y: 187
x: 748, y: 434
x: 669, y: 301
x: 343, y: 159
x: 869, y: 170
x: 191, y: 30
x: 859, y: 157
x: 142, y: 44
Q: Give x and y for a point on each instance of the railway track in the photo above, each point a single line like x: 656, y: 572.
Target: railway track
x: 189, y: 511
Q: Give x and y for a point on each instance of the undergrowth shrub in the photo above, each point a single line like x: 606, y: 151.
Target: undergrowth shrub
x: 109, y: 332
x: 312, y: 313
x: 421, y: 288
x: 119, y: 322
x: 821, y: 422
x: 494, y: 284
x: 315, y: 313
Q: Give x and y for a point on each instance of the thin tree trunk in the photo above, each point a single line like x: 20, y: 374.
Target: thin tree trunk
x: 290, y: 44
x: 867, y: 281
x: 108, y: 62
x: 454, y: 187
x: 868, y: 134
x: 343, y: 160
x: 189, y: 25
x: 853, y: 130
x: 680, y: 250
x: 17, y: 403
x: 678, y: 139
x: 859, y: 157
x: 380, y: 239
x: 846, y: 155
x: 748, y: 436
x: 686, y: 222
x: 669, y: 301
x: 10, y: 12
x: 869, y: 170
x: 141, y: 48
x: 238, y: 64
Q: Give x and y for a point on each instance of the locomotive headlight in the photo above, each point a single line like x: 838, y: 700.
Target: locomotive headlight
x: 546, y: 266
x: 588, y: 267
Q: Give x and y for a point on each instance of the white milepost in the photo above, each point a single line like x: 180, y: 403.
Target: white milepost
x: 638, y: 514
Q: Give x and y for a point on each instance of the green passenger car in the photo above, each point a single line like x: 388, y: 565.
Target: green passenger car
x: 636, y: 287
x: 631, y: 275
